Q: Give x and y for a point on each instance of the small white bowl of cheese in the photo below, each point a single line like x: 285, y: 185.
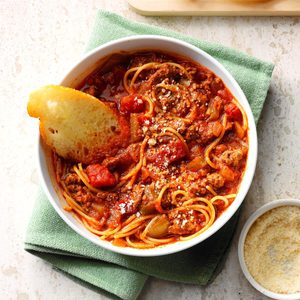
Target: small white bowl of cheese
x: 269, y: 249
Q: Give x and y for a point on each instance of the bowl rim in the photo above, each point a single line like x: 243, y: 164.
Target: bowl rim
x: 230, y: 211
x: 250, y: 221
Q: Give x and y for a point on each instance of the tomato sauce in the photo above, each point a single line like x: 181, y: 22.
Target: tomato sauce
x: 188, y: 141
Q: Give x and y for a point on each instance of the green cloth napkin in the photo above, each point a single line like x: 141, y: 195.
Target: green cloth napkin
x: 123, y: 276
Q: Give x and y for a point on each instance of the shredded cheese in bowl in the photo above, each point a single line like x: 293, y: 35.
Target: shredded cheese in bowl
x: 272, y: 250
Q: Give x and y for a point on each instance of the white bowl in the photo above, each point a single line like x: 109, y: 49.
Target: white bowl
x: 89, y: 63
x: 243, y: 235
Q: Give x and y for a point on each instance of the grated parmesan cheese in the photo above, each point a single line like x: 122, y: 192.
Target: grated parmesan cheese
x: 272, y: 250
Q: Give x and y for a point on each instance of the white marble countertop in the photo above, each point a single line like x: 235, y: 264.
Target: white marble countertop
x: 40, y: 40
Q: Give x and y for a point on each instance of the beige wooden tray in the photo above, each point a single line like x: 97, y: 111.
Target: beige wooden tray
x: 217, y: 7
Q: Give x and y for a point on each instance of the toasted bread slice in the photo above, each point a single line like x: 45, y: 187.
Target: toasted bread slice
x: 76, y: 125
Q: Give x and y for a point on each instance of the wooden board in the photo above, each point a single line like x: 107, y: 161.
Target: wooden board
x: 217, y: 7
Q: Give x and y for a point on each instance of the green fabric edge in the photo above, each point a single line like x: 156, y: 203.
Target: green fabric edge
x: 84, y: 271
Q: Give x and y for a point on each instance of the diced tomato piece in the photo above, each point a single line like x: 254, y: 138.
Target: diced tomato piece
x: 169, y: 153
x: 196, y: 164
x: 219, y: 205
x: 219, y: 149
x: 227, y: 173
x: 178, y: 151
x: 144, y: 120
x: 100, y: 176
x: 145, y: 174
x: 217, y: 128
x: 233, y: 112
x: 196, y: 150
x: 132, y: 104
x: 225, y: 95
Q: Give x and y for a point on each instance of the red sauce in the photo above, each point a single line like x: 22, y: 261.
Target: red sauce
x: 192, y: 108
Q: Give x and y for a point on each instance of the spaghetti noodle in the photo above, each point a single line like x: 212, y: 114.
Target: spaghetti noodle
x: 183, y: 165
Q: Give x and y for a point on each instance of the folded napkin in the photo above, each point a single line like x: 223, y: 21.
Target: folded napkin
x: 123, y: 276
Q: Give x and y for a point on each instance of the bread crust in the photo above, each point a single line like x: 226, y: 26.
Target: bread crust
x: 76, y: 125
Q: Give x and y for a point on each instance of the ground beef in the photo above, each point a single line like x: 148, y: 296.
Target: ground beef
x: 83, y: 196
x: 71, y: 178
x: 232, y: 157
x: 182, y: 222
x: 74, y: 188
x: 199, y: 75
x: 129, y: 202
x: 200, y: 131
x: 123, y: 158
x: 216, y: 85
x: 92, y: 90
x: 73, y: 183
x: 165, y: 71
x: 178, y: 104
x: 215, y: 108
x: 216, y: 180
x: 109, y: 78
x: 198, y: 188
x: 144, y: 59
x: 173, y: 98
x: 167, y: 153
x: 106, y: 196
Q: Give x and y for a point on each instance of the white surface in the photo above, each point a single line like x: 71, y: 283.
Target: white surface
x: 40, y: 40
x: 88, y: 63
x: 250, y: 221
